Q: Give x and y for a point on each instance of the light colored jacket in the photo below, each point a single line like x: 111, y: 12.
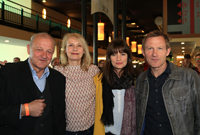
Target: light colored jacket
x: 181, y: 95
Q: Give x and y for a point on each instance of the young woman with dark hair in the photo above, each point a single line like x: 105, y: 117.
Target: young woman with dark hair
x: 115, y: 97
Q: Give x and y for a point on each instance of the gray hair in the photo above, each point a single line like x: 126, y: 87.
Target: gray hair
x: 42, y: 35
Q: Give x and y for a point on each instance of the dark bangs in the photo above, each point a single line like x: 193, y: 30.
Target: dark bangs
x: 118, y: 46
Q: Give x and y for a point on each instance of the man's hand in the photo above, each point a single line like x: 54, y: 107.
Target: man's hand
x: 36, y: 108
x: 3, y: 62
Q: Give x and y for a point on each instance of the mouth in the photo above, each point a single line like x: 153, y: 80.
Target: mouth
x: 43, y: 60
x: 119, y: 63
x: 154, y: 59
x: 74, y: 53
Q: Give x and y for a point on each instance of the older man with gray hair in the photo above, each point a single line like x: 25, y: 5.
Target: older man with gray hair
x: 32, y: 96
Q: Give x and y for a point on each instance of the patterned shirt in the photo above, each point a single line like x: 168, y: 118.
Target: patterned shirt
x: 79, y: 96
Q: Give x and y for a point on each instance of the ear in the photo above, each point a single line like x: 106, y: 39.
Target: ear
x: 143, y: 52
x: 28, y: 49
x: 168, y: 51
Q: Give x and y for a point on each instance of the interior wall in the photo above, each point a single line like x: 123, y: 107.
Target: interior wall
x: 8, y: 52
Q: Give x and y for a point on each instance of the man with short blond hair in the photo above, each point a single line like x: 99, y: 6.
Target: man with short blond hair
x: 167, y: 96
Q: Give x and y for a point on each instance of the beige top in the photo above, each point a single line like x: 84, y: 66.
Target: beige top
x: 79, y: 96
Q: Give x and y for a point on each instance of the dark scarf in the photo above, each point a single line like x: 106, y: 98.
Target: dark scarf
x: 108, y: 103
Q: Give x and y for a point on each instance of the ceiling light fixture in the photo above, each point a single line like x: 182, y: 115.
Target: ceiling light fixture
x: 180, y: 57
x: 182, y: 43
x: 109, y: 39
x: 43, y: 1
x: 134, y: 61
x: 101, y: 58
x: 68, y: 23
x: 100, y: 30
x: 44, y: 13
x: 183, y: 51
x: 139, y: 48
x: 182, y: 47
x: 7, y: 41
x: 132, y: 23
x: 127, y: 41
x: 133, y: 46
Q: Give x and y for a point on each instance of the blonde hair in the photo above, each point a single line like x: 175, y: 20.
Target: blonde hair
x: 86, y: 58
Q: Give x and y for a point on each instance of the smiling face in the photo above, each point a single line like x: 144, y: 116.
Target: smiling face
x: 40, y: 52
x: 119, y: 60
x: 155, y: 52
x: 74, y: 50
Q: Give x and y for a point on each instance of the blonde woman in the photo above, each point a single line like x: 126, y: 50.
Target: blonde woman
x: 80, y: 88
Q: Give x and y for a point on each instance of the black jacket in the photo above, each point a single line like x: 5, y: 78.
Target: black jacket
x: 17, y: 87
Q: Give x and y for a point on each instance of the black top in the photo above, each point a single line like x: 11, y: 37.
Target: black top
x: 156, y: 118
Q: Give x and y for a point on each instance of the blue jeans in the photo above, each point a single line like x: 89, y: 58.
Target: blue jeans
x: 85, y: 132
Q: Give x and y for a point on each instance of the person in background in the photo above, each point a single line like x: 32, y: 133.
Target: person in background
x: 197, y: 68
x: 80, y: 88
x: 115, y: 112
x: 32, y: 100
x: 187, y: 61
x: 101, y: 63
x: 167, y: 96
x: 16, y: 59
x: 55, y: 62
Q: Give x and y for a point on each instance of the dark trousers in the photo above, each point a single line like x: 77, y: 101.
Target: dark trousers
x: 85, y: 132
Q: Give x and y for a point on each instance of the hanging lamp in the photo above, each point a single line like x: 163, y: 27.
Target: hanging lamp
x: 133, y: 46
x: 139, y: 48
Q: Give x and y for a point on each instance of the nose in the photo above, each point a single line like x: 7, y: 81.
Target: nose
x: 44, y: 54
x: 154, y: 52
x: 74, y: 47
x: 118, y: 56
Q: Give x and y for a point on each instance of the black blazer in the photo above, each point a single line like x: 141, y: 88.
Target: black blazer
x: 17, y: 87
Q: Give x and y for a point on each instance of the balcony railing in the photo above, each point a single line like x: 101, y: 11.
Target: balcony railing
x: 33, y: 22
x: 21, y: 19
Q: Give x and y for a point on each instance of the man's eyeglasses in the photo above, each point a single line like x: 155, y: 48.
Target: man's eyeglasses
x: 197, y: 59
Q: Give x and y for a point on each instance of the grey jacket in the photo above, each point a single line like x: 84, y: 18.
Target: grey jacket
x: 181, y: 95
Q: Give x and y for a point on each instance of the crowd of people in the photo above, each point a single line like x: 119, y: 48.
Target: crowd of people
x: 75, y: 97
